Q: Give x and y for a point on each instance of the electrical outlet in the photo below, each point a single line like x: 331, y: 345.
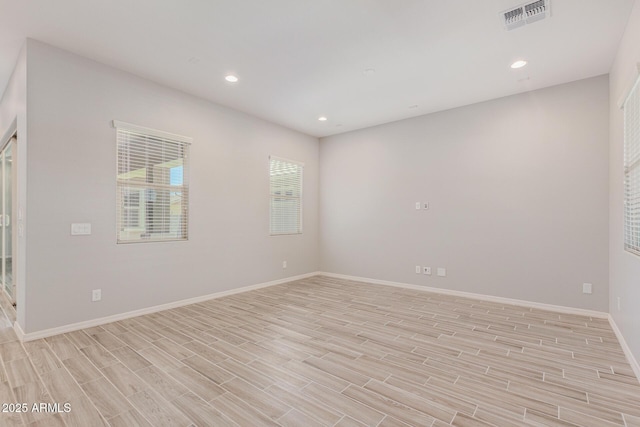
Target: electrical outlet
x: 284, y: 264
x: 96, y: 295
x: 442, y: 271
x: 426, y: 270
x: 418, y: 269
x: 425, y: 206
x: 587, y: 288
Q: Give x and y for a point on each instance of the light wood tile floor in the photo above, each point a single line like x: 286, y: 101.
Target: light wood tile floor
x: 327, y: 352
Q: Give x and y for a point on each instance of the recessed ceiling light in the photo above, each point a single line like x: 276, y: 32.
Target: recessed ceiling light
x: 519, y: 64
x: 322, y: 118
x: 231, y: 78
x: 414, y: 106
x: 369, y: 71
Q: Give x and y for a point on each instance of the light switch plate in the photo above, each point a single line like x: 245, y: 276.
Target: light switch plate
x: 80, y: 228
x: 442, y: 271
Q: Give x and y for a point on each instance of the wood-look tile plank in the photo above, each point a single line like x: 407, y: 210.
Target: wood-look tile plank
x: 174, y: 335
x: 109, y: 401
x: 160, y: 358
x: 241, y: 412
x: 54, y: 420
x: 207, y: 369
x: 631, y: 421
x: 158, y: 411
x: 130, y: 358
x: 162, y: 383
x: 280, y: 375
x: 411, y: 400
x: 61, y: 384
x: 98, y: 355
x: 82, y: 413
x: 295, y: 418
x: 82, y: 369
x: 173, y: 349
x: 434, y: 394
x: 247, y: 373
x: 134, y: 341
x: 80, y: 339
x: 462, y: 420
x: 124, y: 379
x: 201, y: 413
x: 349, y: 422
x: 129, y: 419
x: 498, y: 417
x: 44, y: 360
x: 207, y: 352
x: 11, y: 350
x: 389, y: 421
x: 309, y: 406
x: 20, y: 371
x: 337, y: 370
x: 315, y: 375
x: 351, y: 407
x: 31, y: 393
x: 197, y: 383
x: 571, y: 417
x: 257, y: 398
x: 107, y: 340
x: 388, y: 406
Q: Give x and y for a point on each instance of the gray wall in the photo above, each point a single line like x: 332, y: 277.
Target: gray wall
x: 71, y: 177
x: 517, y: 188
x: 624, y: 267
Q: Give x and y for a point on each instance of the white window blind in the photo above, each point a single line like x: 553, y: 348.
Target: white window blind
x: 632, y: 170
x: 285, y: 186
x: 152, y: 188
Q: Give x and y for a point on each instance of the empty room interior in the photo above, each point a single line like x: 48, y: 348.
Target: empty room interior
x: 332, y: 213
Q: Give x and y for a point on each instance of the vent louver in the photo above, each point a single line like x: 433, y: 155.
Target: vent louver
x: 525, y: 14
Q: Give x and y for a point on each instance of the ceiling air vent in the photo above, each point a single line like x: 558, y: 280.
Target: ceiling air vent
x: 525, y: 14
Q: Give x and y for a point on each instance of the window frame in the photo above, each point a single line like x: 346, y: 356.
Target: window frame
x: 145, y: 188
x: 300, y: 198
x: 631, y: 169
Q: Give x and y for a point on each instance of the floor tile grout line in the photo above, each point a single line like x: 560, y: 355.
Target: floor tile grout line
x: 102, y: 376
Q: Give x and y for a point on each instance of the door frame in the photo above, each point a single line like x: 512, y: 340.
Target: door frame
x: 11, y: 139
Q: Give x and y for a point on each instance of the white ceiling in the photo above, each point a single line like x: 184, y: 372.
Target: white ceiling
x: 300, y: 59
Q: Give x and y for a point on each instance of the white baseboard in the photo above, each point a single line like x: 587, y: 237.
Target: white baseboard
x: 18, y: 330
x: 121, y: 316
x: 625, y: 347
x: 501, y: 300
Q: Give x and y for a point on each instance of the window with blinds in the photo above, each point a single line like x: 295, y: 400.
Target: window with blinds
x: 285, y: 187
x: 632, y: 170
x: 152, y: 191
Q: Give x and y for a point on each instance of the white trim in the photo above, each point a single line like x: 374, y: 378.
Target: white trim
x: 18, y: 330
x: 114, y: 318
x: 283, y: 159
x: 153, y: 132
x: 11, y: 131
x: 629, y: 88
x: 502, y: 300
x: 625, y: 347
